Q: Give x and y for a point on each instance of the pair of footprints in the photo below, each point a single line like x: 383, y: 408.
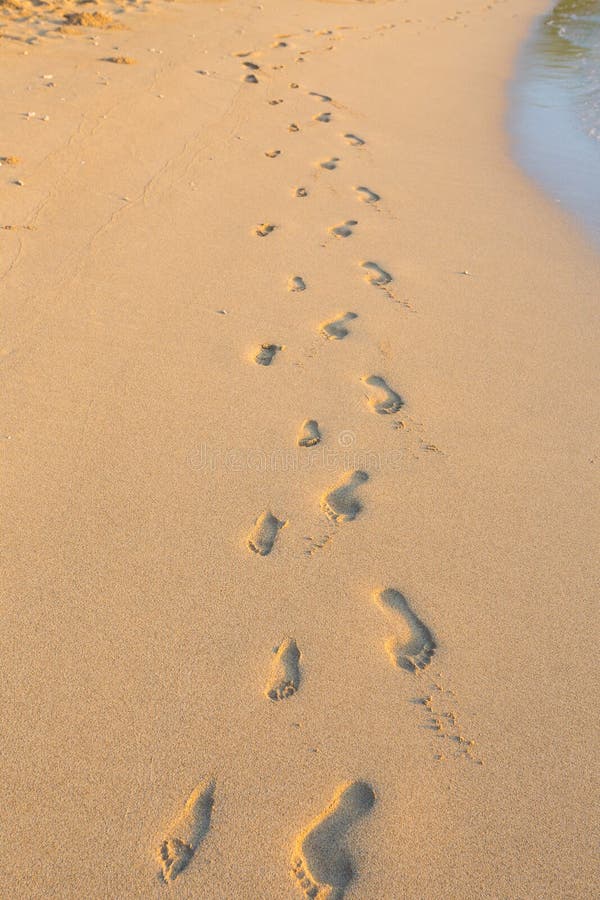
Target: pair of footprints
x: 364, y: 193
x: 339, y: 504
x: 411, y: 647
x: 331, y: 164
x: 320, y: 861
x: 335, y: 329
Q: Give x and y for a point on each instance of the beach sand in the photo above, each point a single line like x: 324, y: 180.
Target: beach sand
x: 299, y: 521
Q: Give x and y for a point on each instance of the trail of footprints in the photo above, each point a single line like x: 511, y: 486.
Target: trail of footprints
x: 320, y: 862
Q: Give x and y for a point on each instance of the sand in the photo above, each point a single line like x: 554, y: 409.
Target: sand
x: 210, y: 628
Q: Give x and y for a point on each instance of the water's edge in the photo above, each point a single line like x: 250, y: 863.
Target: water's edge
x: 554, y: 109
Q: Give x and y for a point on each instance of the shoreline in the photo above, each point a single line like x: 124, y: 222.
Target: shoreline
x: 143, y: 635
x: 550, y: 101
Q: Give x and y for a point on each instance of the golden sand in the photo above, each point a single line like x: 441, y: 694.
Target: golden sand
x: 300, y: 430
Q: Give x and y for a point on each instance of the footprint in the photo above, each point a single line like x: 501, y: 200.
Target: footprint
x: 321, y: 863
x: 120, y: 60
x: 186, y: 832
x: 383, y: 399
x: 344, y: 229
x: 336, y: 330
x: 355, y: 140
x: 330, y: 164
x: 272, y: 153
x: 284, y: 677
x: 266, y: 354
x: 340, y: 504
x: 296, y: 283
x: 293, y: 127
x: 250, y: 78
x: 262, y: 537
x: 366, y: 195
x: 323, y: 97
x: 301, y: 192
x: 323, y: 117
x: 264, y: 229
x: 309, y: 434
x: 375, y: 274
x: 413, y: 645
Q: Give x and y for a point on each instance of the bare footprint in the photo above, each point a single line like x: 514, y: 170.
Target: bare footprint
x: 354, y: 140
x: 263, y: 535
x: 185, y: 834
x: 264, y: 229
x: 284, y: 677
x: 383, y: 400
x: 321, y: 863
x: 120, y: 60
x: 335, y: 329
x: 266, y: 354
x: 330, y: 164
x: 344, y: 229
x: 309, y: 434
x: 367, y: 195
x: 413, y: 645
x: 375, y: 274
x: 296, y: 283
x: 339, y: 504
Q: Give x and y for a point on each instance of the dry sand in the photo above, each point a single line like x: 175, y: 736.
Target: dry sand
x: 422, y: 599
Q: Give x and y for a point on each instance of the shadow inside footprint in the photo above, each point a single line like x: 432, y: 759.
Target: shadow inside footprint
x: 296, y: 283
x: 186, y: 833
x: 344, y: 229
x: 263, y: 535
x: 266, y: 354
x: 375, y: 274
x: 321, y: 863
x: 383, y: 400
x: 335, y: 329
x: 309, y: 434
x: 354, y: 140
x: 340, y: 503
x: 367, y: 195
x: 264, y: 229
x: 284, y: 677
x: 413, y: 645
x: 330, y: 164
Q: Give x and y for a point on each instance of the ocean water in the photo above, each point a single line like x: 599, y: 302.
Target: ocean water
x: 554, y: 114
